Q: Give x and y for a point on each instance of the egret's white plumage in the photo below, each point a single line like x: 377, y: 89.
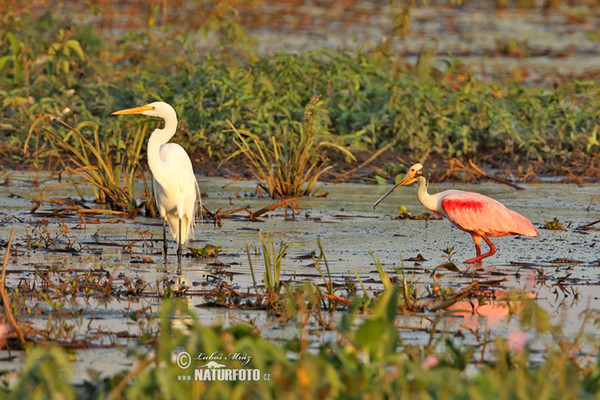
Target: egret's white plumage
x: 175, y: 186
x: 479, y: 215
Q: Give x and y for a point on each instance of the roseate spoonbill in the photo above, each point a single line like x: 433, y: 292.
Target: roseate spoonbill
x: 175, y: 186
x: 479, y: 215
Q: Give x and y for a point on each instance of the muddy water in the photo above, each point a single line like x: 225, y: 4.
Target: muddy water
x: 350, y: 231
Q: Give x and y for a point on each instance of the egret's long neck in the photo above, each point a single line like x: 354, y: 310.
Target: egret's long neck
x: 425, y: 198
x: 157, y: 139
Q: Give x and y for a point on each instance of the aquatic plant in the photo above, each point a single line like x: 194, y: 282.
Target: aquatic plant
x: 291, y: 163
x: 109, y: 167
x: 383, y: 276
x: 272, y: 261
x: 363, y: 353
x: 554, y: 225
x: 206, y: 251
x: 326, y: 280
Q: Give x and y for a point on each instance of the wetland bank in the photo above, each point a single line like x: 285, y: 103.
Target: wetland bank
x: 297, y: 283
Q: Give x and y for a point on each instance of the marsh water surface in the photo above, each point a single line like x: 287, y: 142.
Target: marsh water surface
x: 560, y: 267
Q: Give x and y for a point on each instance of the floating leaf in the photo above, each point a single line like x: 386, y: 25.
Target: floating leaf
x: 450, y: 266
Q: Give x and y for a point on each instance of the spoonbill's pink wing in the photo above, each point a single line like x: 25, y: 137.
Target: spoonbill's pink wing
x: 474, y: 212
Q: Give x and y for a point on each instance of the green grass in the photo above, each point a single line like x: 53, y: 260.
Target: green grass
x: 369, y: 99
x: 110, y: 167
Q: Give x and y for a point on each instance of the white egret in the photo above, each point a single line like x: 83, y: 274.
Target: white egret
x: 175, y: 186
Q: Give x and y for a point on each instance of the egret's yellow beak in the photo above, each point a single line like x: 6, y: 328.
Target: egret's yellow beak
x: 134, y: 110
x: 408, y: 179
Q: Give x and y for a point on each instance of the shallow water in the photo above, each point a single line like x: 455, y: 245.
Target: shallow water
x: 351, y: 232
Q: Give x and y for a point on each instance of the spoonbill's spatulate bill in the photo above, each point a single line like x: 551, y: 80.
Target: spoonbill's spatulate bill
x: 175, y: 186
x: 479, y: 215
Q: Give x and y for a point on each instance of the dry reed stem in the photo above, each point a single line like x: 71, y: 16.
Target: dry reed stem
x: 587, y: 226
x: 5, y: 298
x: 590, y: 205
x: 456, y: 165
x: 494, y: 178
x: 271, y: 207
x: 336, y: 298
x: 457, y: 297
x: 252, y: 215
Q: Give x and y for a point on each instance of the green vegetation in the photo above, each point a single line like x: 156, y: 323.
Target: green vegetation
x: 368, y: 359
x: 289, y: 166
x: 369, y: 100
x: 110, y: 166
x: 554, y: 225
x: 273, y: 261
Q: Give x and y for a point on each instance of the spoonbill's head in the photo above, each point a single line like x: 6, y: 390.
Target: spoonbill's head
x: 414, y: 173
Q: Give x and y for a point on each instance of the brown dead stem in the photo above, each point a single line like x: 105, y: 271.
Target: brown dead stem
x: 444, y: 303
x: 218, y: 214
x: 5, y: 298
x: 590, y: 205
x: 74, y: 206
x: 587, y: 227
x: 494, y: 178
x: 336, y: 298
x: 455, y: 165
x: 254, y: 215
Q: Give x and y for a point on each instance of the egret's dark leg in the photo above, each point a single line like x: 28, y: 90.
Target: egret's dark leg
x: 179, y: 247
x: 165, y: 247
